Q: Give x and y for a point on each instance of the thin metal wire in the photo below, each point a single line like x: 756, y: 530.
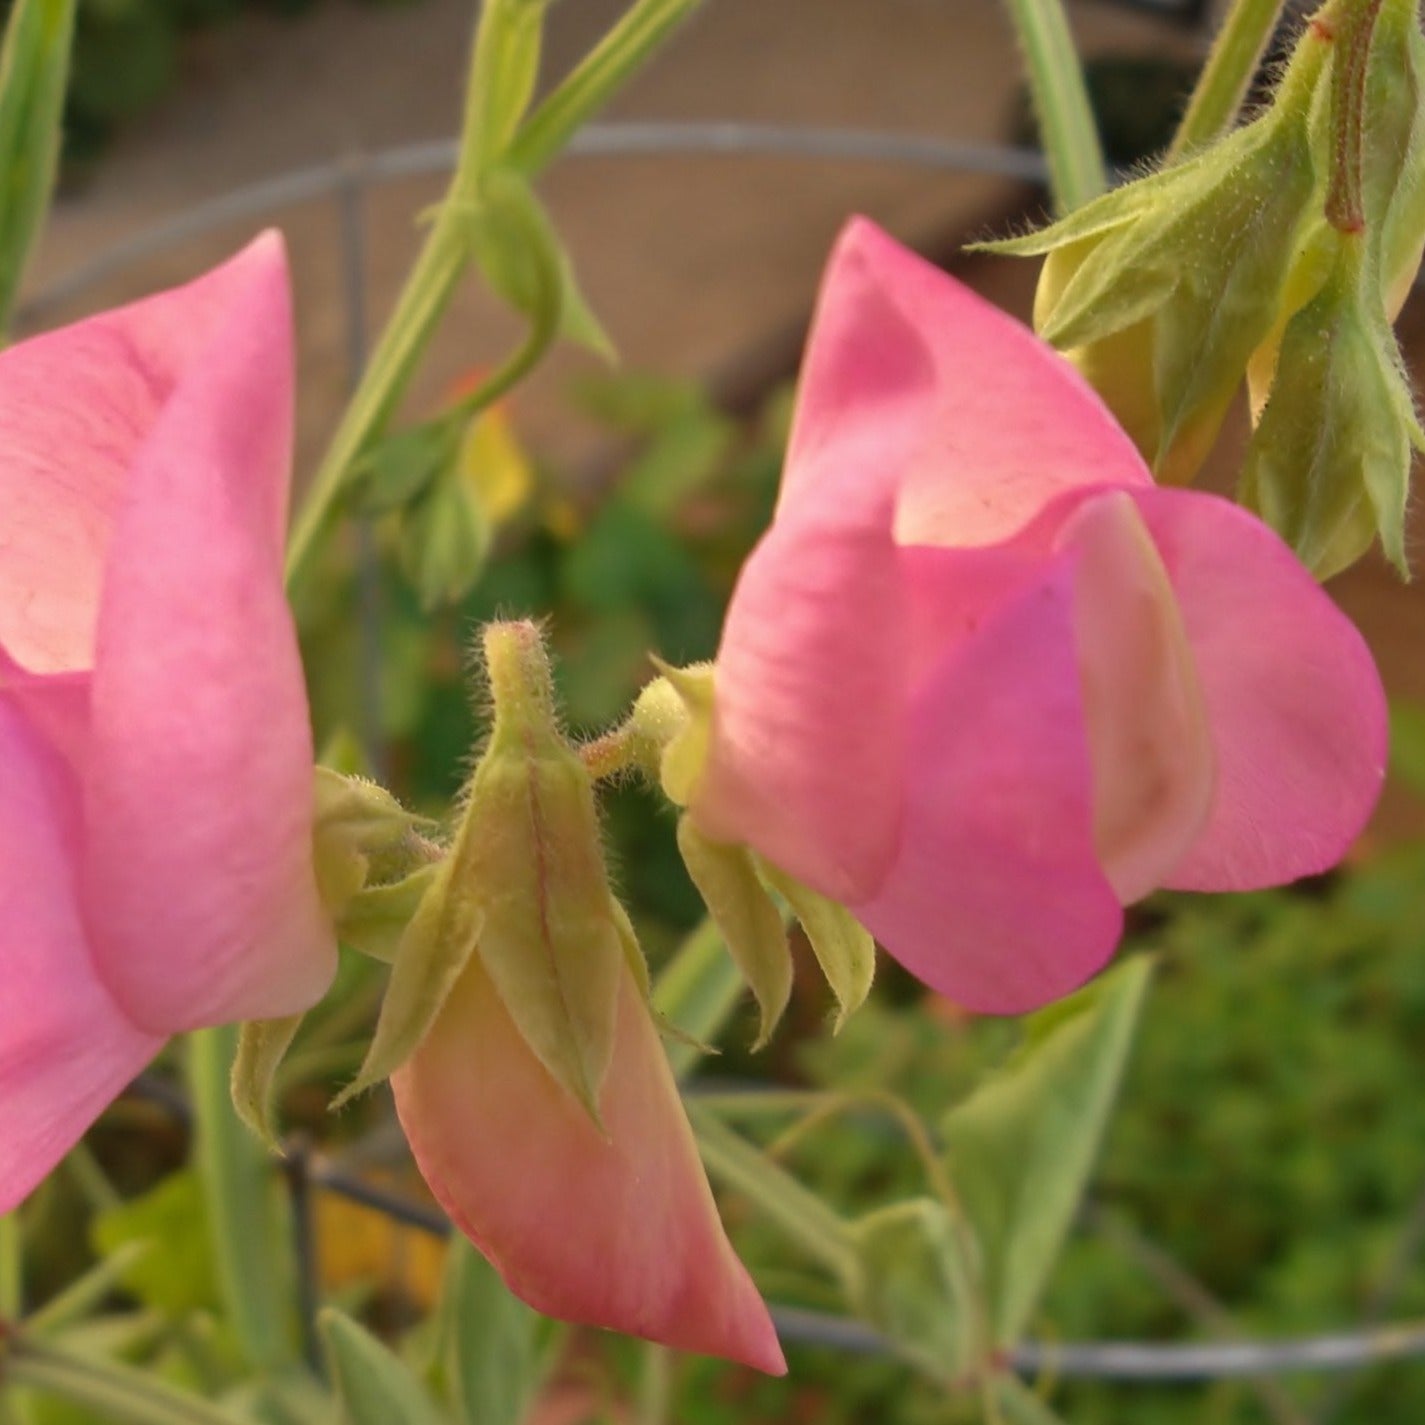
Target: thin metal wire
x: 1099, y: 1360
x: 715, y: 139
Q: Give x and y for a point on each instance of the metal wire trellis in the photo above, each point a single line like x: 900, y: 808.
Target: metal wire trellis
x: 346, y: 182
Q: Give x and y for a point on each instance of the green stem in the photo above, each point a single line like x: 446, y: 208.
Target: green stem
x: 118, y: 1395
x: 605, y: 70
x: 1344, y: 208
x: 12, y: 1262
x: 1061, y: 103
x: 801, y: 1215
x: 448, y: 250
x: 238, y: 1187
x: 1227, y: 75
x: 655, y: 1386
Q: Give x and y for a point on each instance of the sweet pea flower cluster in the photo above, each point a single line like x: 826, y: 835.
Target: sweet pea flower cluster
x: 986, y: 684
x: 155, y: 753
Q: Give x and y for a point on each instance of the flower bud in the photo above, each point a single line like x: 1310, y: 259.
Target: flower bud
x: 524, y: 887
x: 361, y: 836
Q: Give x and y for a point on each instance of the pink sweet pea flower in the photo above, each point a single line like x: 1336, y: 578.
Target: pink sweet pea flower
x: 615, y: 1228
x: 155, y: 755
x: 985, y: 683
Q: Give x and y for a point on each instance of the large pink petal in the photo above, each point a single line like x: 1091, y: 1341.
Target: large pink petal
x: 997, y: 898
x: 198, y: 884
x: 66, y: 1050
x: 75, y: 406
x: 1003, y: 425
x: 806, y: 759
x: 806, y: 762
x: 1294, y: 700
x: 618, y: 1231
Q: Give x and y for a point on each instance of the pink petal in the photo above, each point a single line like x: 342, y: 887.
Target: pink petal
x: 75, y: 406
x: 806, y: 761
x: 618, y: 1231
x: 1147, y: 722
x: 1293, y: 697
x: 66, y: 1050
x: 198, y: 884
x: 1003, y: 425
x: 997, y: 899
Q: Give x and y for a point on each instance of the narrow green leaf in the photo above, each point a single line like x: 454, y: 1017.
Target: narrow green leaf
x: 505, y: 68
x: 34, y: 71
x: 262, y: 1046
x: 87, y: 1293
x: 118, y: 1395
x: 843, y: 947
x: 488, y: 1342
x: 637, y: 36
x: 697, y: 992
x: 726, y: 878
x: 373, y: 1386
x: 1022, y: 1406
x: 240, y: 1192
x: 1021, y: 1148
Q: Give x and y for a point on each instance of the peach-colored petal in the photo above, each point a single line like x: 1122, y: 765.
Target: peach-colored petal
x: 1002, y: 426
x: 996, y: 898
x: 66, y: 1049
x: 1294, y: 701
x: 618, y: 1231
x: 1147, y: 722
x: 75, y: 406
x: 198, y: 885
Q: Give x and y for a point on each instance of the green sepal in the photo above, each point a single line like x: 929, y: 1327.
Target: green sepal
x: 433, y: 953
x: 1328, y: 466
x: 262, y: 1046
x: 685, y: 749
x: 726, y: 878
x: 375, y: 919
x: 844, y: 948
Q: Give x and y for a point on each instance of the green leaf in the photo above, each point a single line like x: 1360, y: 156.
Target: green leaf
x: 373, y: 1386
x: 1021, y: 1148
x: 488, y: 1342
x: 1022, y: 1406
x: 262, y: 1046
x: 523, y: 259
x: 726, y: 878
x: 177, y: 1272
x: 916, y: 1286
x: 117, y: 1394
x: 843, y: 947
x: 87, y: 1293
x: 375, y: 919
x: 34, y: 70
